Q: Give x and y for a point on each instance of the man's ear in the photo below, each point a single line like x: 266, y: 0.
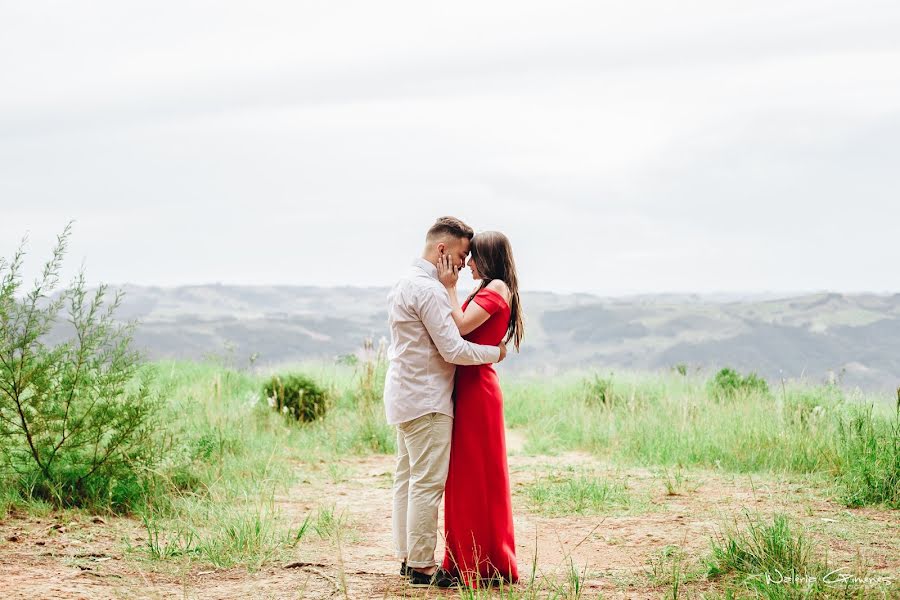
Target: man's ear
x: 442, y: 248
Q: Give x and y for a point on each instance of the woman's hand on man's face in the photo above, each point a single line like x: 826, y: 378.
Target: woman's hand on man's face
x: 448, y: 272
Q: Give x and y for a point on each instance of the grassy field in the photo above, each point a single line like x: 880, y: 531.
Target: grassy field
x: 625, y: 485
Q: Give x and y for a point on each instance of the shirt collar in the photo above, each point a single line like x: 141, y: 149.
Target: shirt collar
x: 426, y: 266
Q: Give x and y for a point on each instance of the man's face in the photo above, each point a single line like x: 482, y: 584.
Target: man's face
x: 458, y: 249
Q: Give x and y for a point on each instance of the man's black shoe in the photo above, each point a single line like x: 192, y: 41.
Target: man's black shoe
x: 404, y: 570
x: 440, y: 579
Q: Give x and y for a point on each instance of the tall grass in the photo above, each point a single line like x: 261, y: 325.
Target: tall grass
x: 227, y: 455
x: 761, y: 548
x: 372, y: 432
x: 674, y: 420
x: 869, y: 458
x: 777, y: 559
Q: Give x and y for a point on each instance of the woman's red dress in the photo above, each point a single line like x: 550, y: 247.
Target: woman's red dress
x: 478, y: 522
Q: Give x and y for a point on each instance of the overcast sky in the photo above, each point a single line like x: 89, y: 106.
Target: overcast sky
x: 622, y: 146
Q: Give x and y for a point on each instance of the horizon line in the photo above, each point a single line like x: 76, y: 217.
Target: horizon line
x: 619, y: 294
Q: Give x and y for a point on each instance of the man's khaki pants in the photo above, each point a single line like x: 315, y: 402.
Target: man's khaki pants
x: 423, y: 459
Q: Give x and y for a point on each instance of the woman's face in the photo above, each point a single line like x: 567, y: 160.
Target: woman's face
x: 471, y: 262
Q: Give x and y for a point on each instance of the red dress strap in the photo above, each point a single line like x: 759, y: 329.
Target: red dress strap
x: 490, y: 300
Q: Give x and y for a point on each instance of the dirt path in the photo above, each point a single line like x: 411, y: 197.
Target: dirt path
x: 618, y: 555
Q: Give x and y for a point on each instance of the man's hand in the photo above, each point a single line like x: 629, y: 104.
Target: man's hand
x: 502, y: 351
x: 448, y: 273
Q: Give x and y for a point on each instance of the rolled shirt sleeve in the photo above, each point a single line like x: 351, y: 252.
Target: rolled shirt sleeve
x: 437, y: 316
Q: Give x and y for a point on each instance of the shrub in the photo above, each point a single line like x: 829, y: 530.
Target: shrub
x: 76, y: 418
x: 297, y: 395
x: 729, y: 384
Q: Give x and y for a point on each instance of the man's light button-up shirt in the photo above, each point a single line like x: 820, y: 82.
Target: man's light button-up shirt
x: 425, y: 347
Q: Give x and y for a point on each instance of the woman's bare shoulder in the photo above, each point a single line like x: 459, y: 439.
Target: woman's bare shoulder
x: 499, y: 286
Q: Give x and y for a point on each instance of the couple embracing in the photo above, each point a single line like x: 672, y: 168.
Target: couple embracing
x: 443, y: 395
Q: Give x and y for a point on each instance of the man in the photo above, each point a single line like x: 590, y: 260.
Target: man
x: 425, y: 346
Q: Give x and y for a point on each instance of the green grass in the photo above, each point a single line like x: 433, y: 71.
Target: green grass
x: 574, y: 492
x: 777, y: 559
x: 248, y: 536
x: 675, y: 482
x: 333, y: 526
x: 671, y: 420
x: 671, y: 567
x: 568, y: 585
x: 869, y: 459
x: 760, y: 548
x: 225, y: 455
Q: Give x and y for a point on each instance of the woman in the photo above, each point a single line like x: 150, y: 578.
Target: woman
x: 478, y: 525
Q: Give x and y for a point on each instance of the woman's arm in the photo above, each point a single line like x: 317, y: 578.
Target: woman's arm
x: 448, y: 274
x: 474, y: 316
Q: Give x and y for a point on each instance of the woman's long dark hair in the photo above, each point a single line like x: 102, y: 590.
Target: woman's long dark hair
x: 493, y: 257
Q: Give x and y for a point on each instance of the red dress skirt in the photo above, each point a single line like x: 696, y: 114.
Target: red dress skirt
x: 478, y: 522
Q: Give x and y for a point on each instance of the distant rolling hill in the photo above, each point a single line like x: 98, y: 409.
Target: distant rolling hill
x: 854, y: 337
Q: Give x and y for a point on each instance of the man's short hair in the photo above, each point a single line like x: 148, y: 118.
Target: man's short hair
x: 449, y: 226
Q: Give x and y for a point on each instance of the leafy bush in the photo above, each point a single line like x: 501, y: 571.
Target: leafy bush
x: 729, y: 384
x: 297, y: 395
x: 76, y: 418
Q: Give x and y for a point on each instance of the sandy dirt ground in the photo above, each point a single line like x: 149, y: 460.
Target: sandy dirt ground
x: 616, y: 554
